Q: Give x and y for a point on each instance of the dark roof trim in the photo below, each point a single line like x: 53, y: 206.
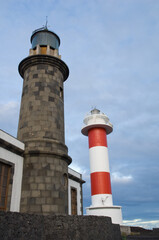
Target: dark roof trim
x: 79, y: 180
x: 10, y: 147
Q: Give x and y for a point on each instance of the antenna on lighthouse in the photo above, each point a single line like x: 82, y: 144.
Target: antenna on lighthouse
x: 46, y: 22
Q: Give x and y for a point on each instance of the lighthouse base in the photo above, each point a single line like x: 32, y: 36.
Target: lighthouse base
x: 108, y: 211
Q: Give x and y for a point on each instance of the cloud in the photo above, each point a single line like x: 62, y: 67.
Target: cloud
x: 9, y: 117
x: 7, y: 107
x: 149, y: 224
x: 117, y: 177
x: 78, y: 168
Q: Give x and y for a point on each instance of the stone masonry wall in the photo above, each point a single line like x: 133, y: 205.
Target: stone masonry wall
x: 44, y: 188
x: 35, y: 227
x: 42, y: 109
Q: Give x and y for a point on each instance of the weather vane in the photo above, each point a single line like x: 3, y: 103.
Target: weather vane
x: 46, y: 22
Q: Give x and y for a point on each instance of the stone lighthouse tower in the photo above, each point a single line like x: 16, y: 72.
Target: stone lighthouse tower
x: 41, y: 127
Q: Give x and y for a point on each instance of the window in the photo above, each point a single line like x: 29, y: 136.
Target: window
x: 4, y: 183
x: 65, y: 181
x: 61, y: 93
x: 73, y: 201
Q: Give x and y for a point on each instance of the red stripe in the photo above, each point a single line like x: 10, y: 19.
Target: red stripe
x: 100, y: 183
x: 97, y: 137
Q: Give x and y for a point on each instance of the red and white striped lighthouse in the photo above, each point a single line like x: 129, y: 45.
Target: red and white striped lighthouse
x: 97, y: 127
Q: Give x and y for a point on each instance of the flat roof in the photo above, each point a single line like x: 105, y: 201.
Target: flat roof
x: 10, y: 141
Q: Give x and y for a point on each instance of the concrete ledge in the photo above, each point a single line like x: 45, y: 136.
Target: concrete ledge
x: 108, y: 211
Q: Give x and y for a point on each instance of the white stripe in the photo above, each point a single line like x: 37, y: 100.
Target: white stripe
x: 99, y: 161
x: 102, y: 200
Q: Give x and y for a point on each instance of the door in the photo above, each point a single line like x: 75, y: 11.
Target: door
x: 4, y: 183
x: 73, y: 201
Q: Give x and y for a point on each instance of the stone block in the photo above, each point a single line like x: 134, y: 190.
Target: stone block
x: 41, y: 200
x: 50, y: 173
x: 49, y: 187
x: 48, y: 180
x: 55, y: 194
x: 49, y: 201
x: 24, y: 201
x: 59, y: 168
x: 37, y: 166
x: 25, y: 194
x: 59, y: 201
x: 35, y: 193
x: 23, y: 208
x: 54, y: 208
x: 52, y: 167
x: 41, y: 186
x: 46, y: 208
x: 35, y: 208
x: 31, y: 201
x: 46, y: 193
x: 39, y: 179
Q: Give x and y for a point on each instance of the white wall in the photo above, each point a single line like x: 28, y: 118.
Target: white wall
x: 74, y: 184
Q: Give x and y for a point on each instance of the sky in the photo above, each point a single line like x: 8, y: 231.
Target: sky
x: 112, y: 50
